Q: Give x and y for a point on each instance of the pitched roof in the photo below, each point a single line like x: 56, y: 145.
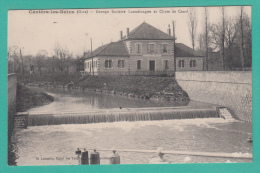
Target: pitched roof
x: 181, y: 50
x: 111, y: 49
x: 147, y: 32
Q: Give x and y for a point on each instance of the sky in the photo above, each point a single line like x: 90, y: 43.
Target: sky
x: 36, y: 30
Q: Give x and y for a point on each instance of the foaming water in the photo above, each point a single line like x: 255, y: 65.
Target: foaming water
x: 206, y: 135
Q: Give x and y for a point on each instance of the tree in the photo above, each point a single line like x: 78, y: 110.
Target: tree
x: 192, y: 25
x: 242, y: 39
x: 223, y: 38
x: 40, y: 59
x: 62, y: 57
x: 206, y: 37
x: 230, y: 40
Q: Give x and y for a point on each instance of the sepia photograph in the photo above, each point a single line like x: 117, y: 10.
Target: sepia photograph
x: 168, y: 85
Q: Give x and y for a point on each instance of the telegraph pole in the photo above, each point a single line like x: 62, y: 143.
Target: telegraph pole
x: 92, y: 56
x: 173, y: 34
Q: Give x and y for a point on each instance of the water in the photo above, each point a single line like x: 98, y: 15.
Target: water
x: 84, y: 101
x: 56, y: 144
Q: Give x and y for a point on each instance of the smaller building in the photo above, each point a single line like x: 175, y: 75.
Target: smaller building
x: 188, y: 59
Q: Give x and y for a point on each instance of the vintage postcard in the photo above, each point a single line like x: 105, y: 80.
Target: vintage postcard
x: 130, y: 86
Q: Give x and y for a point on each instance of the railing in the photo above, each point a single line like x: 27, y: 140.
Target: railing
x: 115, y: 158
x: 130, y: 73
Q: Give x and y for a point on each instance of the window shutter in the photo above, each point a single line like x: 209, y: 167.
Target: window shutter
x: 148, y: 48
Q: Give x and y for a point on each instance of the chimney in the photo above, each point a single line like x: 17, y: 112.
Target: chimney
x: 127, y: 32
x: 169, y: 30
x: 121, y: 35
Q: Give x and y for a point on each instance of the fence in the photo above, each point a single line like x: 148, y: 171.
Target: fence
x: 130, y: 73
x: 94, y: 159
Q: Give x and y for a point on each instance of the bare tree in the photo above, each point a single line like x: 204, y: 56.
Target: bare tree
x: 192, y: 25
x: 40, y: 59
x: 13, y: 60
x: 206, y: 37
x: 62, y: 56
x: 223, y: 38
x: 230, y: 38
x: 242, y: 39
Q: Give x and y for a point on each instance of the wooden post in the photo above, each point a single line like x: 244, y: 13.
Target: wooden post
x: 84, y: 158
x: 94, y: 158
x: 115, y: 158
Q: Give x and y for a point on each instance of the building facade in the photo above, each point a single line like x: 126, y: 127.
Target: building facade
x: 144, y: 51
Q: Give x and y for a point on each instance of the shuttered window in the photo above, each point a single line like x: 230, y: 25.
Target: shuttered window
x: 192, y: 63
x: 139, y: 64
x: 151, y: 48
x: 121, y: 64
x: 108, y: 63
x: 166, y: 64
x: 181, y: 63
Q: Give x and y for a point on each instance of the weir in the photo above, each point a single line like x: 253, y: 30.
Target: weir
x: 116, y: 115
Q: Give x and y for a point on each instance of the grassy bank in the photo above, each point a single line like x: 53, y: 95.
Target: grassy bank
x: 153, y: 87
x: 148, y: 86
x: 27, y: 98
x: 55, y: 79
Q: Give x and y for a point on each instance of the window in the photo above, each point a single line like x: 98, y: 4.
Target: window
x: 165, y: 48
x: 138, y: 64
x: 166, y: 65
x: 108, y: 64
x: 151, y: 48
x: 138, y: 48
x: 181, y: 63
x: 121, y: 64
x: 88, y: 64
x: 192, y: 63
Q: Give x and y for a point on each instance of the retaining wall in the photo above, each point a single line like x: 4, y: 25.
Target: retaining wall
x: 12, y: 88
x: 230, y: 89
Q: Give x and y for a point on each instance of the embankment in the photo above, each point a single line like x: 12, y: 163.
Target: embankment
x: 151, y: 87
x: 138, y: 86
x: 27, y: 98
x: 231, y: 89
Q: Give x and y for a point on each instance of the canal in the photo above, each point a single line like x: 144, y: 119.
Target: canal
x: 56, y: 144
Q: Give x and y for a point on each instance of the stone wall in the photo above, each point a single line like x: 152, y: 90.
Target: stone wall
x: 230, y: 89
x: 12, y: 88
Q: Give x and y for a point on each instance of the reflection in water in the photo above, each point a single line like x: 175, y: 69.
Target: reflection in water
x: 84, y: 101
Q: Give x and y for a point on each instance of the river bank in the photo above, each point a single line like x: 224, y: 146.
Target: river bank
x: 144, y: 87
x: 27, y: 98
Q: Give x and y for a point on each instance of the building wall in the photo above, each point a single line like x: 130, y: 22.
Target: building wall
x: 199, y: 63
x: 158, y: 55
x: 100, y: 69
x: 12, y: 89
x: 231, y: 89
x: 159, y: 63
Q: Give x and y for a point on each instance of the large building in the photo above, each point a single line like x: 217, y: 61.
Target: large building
x: 145, y: 50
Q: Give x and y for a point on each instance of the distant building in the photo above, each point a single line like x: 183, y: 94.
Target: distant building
x: 145, y: 50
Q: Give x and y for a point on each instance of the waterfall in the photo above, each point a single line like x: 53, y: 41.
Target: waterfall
x: 113, y: 115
